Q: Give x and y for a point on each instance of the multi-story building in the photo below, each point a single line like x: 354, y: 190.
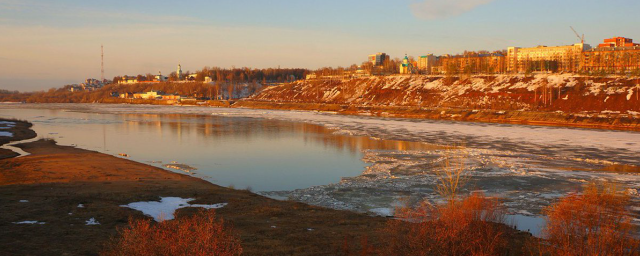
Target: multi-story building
x: 426, y: 62
x: 615, y: 55
x: 472, y: 63
x: 618, y: 42
x: 378, y: 59
x: 543, y: 58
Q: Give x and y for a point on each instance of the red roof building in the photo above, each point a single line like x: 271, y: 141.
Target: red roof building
x: 618, y: 42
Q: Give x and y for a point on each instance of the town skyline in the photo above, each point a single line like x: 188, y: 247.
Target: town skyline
x: 148, y: 37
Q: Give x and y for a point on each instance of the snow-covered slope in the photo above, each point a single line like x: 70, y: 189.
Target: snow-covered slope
x: 513, y: 92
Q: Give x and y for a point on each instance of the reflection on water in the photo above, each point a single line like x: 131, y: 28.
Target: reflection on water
x: 244, y: 152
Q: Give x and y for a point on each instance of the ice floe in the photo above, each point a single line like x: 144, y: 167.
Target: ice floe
x: 165, y: 208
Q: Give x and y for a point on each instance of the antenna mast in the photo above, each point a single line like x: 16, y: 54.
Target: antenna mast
x: 101, y: 63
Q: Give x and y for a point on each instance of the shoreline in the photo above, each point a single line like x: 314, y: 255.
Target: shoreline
x: 544, y: 118
x: 49, y: 186
x: 20, y: 131
x: 595, y: 121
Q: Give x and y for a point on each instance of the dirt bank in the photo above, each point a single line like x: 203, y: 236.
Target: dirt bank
x: 545, y: 99
x: 595, y: 121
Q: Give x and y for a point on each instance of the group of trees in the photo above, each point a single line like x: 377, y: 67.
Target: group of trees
x: 612, y: 62
x: 233, y: 75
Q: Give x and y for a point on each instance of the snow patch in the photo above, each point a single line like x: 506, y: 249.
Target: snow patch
x: 385, y: 212
x: 24, y: 201
x: 30, y: 222
x: 164, y: 210
x: 6, y: 134
x: 92, y: 221
x: 6, y: 124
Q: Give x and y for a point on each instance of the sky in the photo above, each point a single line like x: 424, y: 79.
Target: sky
x: 46, y: 44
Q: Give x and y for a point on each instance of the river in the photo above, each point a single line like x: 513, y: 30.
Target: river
x: 358, y: 163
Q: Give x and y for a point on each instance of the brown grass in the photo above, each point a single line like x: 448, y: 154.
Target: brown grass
x: 596, y: 222
x: 200, y: 234
x: 461, y: 227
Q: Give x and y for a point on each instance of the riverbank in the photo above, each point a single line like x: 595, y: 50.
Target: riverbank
x: 538, y: 118
x: 609, y: 103
x: 18, y: 130
x: 51, y: 184
x: 569, y: 100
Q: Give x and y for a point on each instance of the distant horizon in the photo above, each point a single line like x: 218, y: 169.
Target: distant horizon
x: 52, y: 44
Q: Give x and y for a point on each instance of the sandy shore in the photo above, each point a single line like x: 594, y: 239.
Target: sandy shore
x: 49, y: 185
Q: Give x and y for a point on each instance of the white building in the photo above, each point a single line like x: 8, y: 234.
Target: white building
x: 150, y: 95
x: 563, y: 58
x: 160, y: 78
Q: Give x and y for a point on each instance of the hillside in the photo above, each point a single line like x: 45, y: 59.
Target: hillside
x: 561, y: 99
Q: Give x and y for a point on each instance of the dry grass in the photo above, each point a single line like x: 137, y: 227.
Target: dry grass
x: 200, y: 234
x: 461, y: 227
x: 596, y: 222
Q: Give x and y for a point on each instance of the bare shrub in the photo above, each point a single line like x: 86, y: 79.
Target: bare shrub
x: 451, y: 177
x: 458, y: 227
x: 200, y: 234
x: 596, y: 222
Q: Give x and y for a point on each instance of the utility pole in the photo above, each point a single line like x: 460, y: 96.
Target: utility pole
x: 101, y: 63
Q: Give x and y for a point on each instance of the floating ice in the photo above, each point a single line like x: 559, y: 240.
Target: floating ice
x: 167, y: 206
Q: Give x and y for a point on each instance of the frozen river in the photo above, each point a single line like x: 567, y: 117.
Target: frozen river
x: 357, y: 163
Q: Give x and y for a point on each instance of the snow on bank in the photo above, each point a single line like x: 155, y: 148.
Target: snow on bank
x: 92, y: 222
x: 30, y: 222
x: 7, y: 124
x: 164, y: 210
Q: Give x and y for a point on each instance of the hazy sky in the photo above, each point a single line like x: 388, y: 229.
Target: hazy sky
x: 46, y: 44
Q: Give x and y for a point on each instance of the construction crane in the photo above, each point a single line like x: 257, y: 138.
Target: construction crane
x: 578, y: 35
